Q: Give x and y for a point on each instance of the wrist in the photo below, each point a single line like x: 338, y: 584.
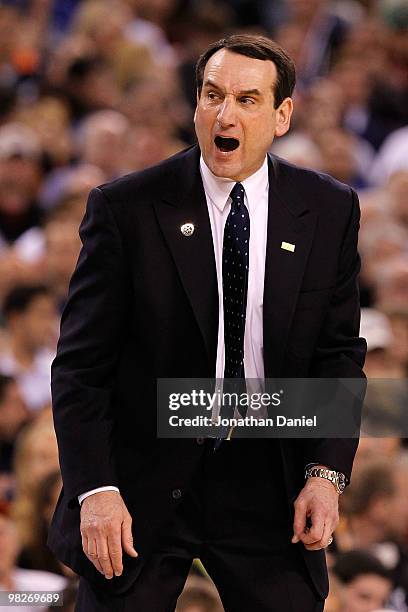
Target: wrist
x: 100, y: 497
x: 323, y: 473
x: 83, y: 496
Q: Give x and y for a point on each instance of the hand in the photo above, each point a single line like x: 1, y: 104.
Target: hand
x: 106, y: 529
x: 318, y: 501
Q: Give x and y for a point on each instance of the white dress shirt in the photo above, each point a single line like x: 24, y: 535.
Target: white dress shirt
x: 217, y: 192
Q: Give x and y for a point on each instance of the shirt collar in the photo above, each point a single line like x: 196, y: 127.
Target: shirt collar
x: 218, y: 188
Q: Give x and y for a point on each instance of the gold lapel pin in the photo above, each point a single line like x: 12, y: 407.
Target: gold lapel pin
x: 286, y: 246
x: 187, y: 229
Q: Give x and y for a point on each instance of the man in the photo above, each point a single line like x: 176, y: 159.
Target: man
x: 13, y: 416
x: 31, y: 319
x: 147, y: 301
x: 14, y: 578
x: 365, y: 581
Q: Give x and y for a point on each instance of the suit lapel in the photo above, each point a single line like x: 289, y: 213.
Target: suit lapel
x: 290, y: 221
x: 193, y: 255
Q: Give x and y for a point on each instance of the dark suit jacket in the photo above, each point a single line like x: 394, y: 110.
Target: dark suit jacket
x: 143, y: 304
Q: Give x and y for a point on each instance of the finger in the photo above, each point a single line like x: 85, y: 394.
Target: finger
x: 324, y: 540
x: 315, y: 533
x: 127, y: 538
x: 84, y: 539
x: 91, y: 551
x: 299, y: 521
x: 103, y: 557
x: 92, y: 554
x: 115, y: 551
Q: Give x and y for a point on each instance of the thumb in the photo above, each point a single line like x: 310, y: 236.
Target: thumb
x: 127, y: 539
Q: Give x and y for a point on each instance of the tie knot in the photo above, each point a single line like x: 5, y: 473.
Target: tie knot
x: 237, y: 193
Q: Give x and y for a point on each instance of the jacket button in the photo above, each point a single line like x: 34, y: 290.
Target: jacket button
x: 200, y: 441
x: 176, y: 493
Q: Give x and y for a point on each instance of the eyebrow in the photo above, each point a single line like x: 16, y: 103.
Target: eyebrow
x: 246, y: 92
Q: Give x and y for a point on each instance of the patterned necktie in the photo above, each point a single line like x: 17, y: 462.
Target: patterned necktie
x: 235, y: 267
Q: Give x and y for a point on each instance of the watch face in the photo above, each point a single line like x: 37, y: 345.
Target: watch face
x: 341, y: 480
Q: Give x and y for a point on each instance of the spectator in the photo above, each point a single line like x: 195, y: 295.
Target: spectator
x: 157, y: 104
x: 149, y: 34
x: 105, y: 28
x: 398, y: 195
x: 102, y: 141
x: 13, y: 578
x: 62, y: 246
x: 353, y: 76
x: 391, y: 285
x: 321, y: 34
x: 49, y: 120
x: 35, y: 554
x: 399, y: 346
x: 392, y: 157
x: 8, y: 24
x: 299, y: 149
x: 381, y: 240
x: 333, y: 601
x: 373, y: 507
x: 13, y: 416
x: 31, y: 320
x: 20, y: 176
x: 69, y: 182
x: 366, y: 584
x: 339, y: 151
x: 36, y: 456
x: 87, y: 81
x: 376, y: 329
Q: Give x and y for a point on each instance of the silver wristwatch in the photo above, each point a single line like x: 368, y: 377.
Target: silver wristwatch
x: 337, y: 478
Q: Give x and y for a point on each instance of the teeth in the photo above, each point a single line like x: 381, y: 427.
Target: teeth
x: 226, y: 144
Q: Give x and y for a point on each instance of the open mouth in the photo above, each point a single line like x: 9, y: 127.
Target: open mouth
x: 226, y: 144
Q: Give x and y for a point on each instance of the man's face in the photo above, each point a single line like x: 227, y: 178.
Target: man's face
x: 13, y: 412
x: 39, y: 322
x: 366, y: 593
x: 235, y: 118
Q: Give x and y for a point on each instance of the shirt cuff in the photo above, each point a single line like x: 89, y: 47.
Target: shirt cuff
x: 98, y: 490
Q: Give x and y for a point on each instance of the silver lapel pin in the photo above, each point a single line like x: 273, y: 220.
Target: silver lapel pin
x: 187, y: 229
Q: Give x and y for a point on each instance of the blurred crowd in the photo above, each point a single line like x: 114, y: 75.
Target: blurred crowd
x: 93, y: 89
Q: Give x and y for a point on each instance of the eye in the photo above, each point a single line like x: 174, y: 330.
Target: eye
x: 246, y: 100
x: 211, y: 95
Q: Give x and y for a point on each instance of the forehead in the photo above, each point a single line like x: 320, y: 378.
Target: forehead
x: 236, y: 72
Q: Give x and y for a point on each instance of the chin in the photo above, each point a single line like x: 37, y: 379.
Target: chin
x: 224, y: 170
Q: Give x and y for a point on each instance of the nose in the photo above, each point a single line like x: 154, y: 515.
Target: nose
x: 226, y: 115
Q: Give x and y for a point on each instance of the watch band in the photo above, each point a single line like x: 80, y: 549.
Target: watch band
x: 338, y: 479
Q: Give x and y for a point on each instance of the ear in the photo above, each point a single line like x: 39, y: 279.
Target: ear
x: 197, y: 101
x: 283, y: 115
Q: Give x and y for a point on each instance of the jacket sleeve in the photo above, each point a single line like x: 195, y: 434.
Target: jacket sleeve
x: 340, y: 352
x: 92, y: 327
